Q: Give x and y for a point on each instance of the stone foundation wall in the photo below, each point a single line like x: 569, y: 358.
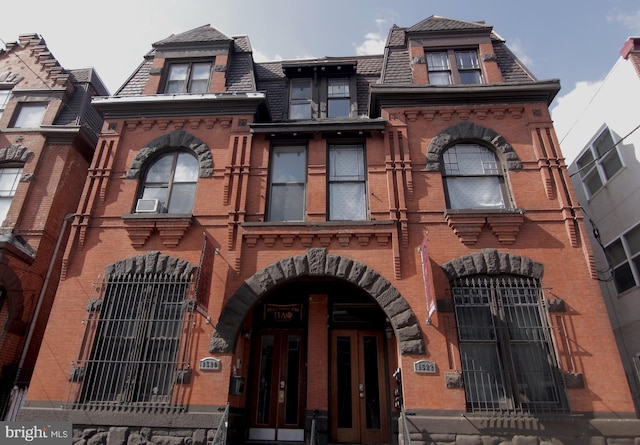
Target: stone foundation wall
x: 90, y: 435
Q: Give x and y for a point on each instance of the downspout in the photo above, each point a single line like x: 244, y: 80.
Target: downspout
x: 45, y: 285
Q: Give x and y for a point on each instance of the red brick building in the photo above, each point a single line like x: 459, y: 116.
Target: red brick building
x: 373, y: 249
x: 48, y: 131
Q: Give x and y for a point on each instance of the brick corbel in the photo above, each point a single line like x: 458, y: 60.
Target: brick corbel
x: 467, y: 225
x: 505, y: 226
x: 171, y: 228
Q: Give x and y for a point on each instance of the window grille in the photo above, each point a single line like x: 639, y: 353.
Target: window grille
x: 134, y: 350
x: 508, y: 363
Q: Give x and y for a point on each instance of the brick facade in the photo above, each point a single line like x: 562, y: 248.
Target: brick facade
x: 351, y: 280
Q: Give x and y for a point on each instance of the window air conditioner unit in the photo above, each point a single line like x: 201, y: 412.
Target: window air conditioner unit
x: 148, y: 206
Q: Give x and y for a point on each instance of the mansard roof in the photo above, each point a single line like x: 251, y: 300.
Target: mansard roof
x: 203, y: 34
x: 437, y: 23
x: 392, y: 69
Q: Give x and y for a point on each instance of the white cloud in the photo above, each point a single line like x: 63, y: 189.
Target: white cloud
x: 374, y: 41
x: 517, y: 48
x: 630, y: 20
x: 570, y: 107
x: 259, y: 56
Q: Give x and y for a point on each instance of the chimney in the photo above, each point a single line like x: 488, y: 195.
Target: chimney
x: 631, y: 45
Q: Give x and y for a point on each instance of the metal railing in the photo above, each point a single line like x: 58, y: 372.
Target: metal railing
x: 220, y: 437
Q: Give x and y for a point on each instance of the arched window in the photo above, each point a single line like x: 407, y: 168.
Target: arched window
x: 171, y: 182
x: 473, y: 178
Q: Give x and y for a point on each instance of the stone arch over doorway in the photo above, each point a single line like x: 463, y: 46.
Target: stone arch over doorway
x: 15, y: 301
x: 317, y: 262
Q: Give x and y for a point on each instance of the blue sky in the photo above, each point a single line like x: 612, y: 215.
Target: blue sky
x: 574, y: 41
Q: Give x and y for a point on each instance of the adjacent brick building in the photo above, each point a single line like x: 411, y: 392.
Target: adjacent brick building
x: 373, y: 249
x: 48, y: 131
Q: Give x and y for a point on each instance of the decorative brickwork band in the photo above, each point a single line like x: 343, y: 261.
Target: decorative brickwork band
x: 317, y: 262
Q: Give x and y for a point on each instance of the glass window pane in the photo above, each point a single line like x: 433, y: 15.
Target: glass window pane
x: 534, y: 376
x: 611, y: 163
x: 9, y: 179
x: 177, y: 78
x: 286, y: 202
x: 187, y: 168
x: 346, y: 163
x: 5, y: 203
x: 467, y: 60
x: 339, y: 108
x: 289, y: 165
x: 633, y: 240
x: 604, y: 143
x: 437, y: 61
x: 623, y: 277
x: 585, y: 163
x: 301, y: 89
x: 470, y: 77
x: 440, y: 78
x: 338, y: 87
x: 470, y: 159
x: 30, y: 115
x: 200, y: 71
x: 182, y: 197
x: 158, y: 192
x: 483, y: 381
x: 347, y: 201
x: 300, y: 111
x: 160, y: 171
x: 474, y: 193
x: 345, y: 384
x: 371, y: 382
x: 592, y: 182
x: 616, y: 253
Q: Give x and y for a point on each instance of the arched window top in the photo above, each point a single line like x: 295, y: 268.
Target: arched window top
x: 176, y: 140
x: 170, y: 180
x: 492, y: 262
x: 468, y: 132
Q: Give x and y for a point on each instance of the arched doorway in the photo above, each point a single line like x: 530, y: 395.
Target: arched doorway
x: 325, y: 333
x: 319, y: 343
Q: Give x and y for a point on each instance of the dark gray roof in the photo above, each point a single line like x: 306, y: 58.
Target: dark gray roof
x: 240, y: 73
x: 198, y: 35
x: 397, y: 69
x: 510, y: 66
x: 436, y: 23
x: 135, y: 84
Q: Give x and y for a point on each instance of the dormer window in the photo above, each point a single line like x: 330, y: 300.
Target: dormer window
x: 300, y: 102
x: 188, y: 78
x: 453, y: 67
x: 338, y: 99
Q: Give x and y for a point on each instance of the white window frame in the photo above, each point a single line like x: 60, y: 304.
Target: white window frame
x: 631, y: 261
x: 186, y: 83
x: 592, y: 162
x: 453, y: 67
x: 29, y: 115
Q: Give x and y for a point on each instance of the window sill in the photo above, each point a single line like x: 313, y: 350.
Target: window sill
x: 324, y: 233
x: 467, y: 224
x: 171, y: 227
